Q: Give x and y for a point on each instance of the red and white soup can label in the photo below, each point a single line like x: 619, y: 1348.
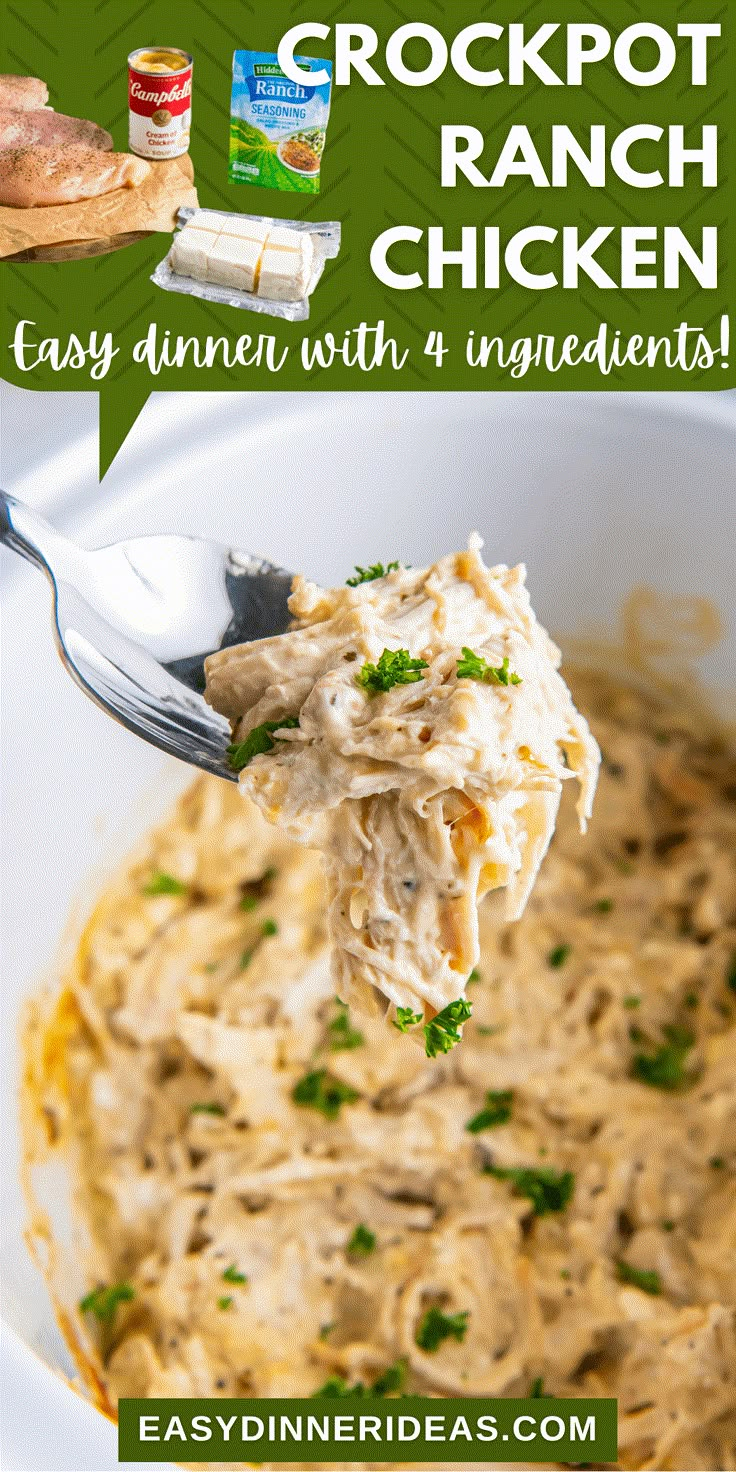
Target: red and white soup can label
x: 160, y: 101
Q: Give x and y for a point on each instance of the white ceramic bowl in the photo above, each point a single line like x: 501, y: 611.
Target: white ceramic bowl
x: 595, y: 493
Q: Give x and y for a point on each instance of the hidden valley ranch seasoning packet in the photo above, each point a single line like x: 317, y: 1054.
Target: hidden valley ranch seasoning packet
x: 277, y: 127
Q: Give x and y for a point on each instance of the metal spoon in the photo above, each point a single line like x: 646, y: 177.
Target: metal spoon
x: 134, y: 623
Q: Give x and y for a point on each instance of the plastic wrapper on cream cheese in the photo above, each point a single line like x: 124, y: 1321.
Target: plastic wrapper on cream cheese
x: 250, y: 249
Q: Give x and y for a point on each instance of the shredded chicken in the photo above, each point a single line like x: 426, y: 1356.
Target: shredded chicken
x: 603, y: 1022
x: 423, y: 796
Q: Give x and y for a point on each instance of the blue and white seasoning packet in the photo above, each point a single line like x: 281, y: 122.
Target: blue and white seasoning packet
x: 277, y: 127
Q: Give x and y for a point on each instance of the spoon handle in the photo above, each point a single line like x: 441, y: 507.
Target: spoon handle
x: 25, y: 532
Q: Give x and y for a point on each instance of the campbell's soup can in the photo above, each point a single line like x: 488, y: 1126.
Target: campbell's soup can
x: 160, y: 101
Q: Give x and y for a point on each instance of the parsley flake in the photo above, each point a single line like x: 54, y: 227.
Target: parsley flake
x: 497, y: 1111
x: 445, y: 1030
x: 666, y: 1067
x: 207, y: 1107
x: 406, y: 1018
x: 342, y: 1035
x: 391, y: 1382
x: 257, y: 742
x: 474, y: 667
x: 371, y: 574
x: 225, y: 1303
x: 160, y: 883
x: 547, y: 1189
x: 269, y: 927
x: 435, y: 1327
x: 647, y: 1280
x: 558, y: 957
x: 102, y: 1302
x: 537, y: 1390
x: 362, y: 1242
x: 232, y: 1275
x: 395, y: 667
x: 731, y: 974
x: 320, y: 1090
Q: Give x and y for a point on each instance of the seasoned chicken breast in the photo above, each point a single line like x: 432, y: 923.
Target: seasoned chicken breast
x: 45, y: 176
x: 40, y: 127
x: 22, y: 92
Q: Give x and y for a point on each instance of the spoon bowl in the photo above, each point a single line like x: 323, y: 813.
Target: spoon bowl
x: 134, y: 623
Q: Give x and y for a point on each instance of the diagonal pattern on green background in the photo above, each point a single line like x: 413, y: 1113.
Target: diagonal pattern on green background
x: 381, y: 168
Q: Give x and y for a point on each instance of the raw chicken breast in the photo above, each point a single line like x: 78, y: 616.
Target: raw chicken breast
x: 45, y: 176
x: 22, y: 92
x: 40, y: 127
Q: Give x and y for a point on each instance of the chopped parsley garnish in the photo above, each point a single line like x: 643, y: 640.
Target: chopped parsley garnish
x: 391, y: 1382
x: 320, y: 1090
x: 102, y: 1302
x: 558, y: 957
x: 207, y: 1107
x: 666, y: 1067
x: 326, y: 1330
x: 435, y: 1327
x: 343, y: 1037
x: 337, y: 1387
x: 160, y: 883
x: 406, y: 1018
x: 269, y: 927
x: 445, y: 1030
x: 257, y: 742
x: 647, y: 1280
x: 667, y: 1225
x: 632, y: 1002
x: 249, y: 903
x: 537, y: 1390
x: 371, y: 574
x: 497, y: 1111
x: 395, y: 667
x: 246, y: 958
x: 362, y: 1242
x: 604, y: 907
x: 731, y: 974
x: 716, y: 1162
x: 232, y: 1275
x: 225, y: 1303
x: 474, y: 667
x: 547, y: 1189
x: 474, y: 977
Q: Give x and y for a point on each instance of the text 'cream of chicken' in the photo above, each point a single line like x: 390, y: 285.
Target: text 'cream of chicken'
x: 416, y: 729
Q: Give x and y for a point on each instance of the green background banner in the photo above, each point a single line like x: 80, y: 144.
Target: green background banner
x: 381, y: 168
x: 541, y: 1429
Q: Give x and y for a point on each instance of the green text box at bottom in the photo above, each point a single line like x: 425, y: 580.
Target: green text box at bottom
x: 357, y: 1429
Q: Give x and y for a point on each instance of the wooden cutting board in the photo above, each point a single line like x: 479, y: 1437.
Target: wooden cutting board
x: 98, y: 226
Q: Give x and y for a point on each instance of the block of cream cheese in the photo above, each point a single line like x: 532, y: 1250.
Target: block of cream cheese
x: 206, y: 220
x: 190, y: 252
x: 284, y: 275
x: 233, y: 262
x: 281, y: 238
x: 244, y: 229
